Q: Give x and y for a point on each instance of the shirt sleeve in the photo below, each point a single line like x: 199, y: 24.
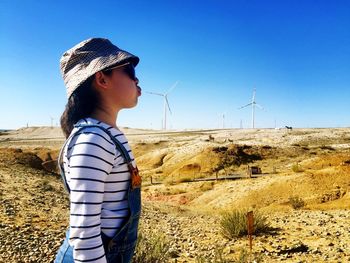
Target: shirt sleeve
x: 91, y: 157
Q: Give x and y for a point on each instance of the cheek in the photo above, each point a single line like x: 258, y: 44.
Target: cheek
x: 124, y: 90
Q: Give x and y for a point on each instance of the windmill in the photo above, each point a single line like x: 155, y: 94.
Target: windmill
x: 253, y: 104
x: 52, y: 119
x: 166, y: 102
x: 222, y: 120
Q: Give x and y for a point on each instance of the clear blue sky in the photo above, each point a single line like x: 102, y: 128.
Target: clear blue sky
x: 296, y: 54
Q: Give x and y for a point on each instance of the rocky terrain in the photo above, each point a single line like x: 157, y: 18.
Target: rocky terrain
x: 312, y: 165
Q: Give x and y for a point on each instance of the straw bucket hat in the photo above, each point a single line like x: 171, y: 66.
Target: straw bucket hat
x: 88, y: 57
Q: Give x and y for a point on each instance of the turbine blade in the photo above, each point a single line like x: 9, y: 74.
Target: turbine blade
x: 154, y: 93
x: 167, y: 103
x: 172, y: 87
x: 245, y: 106
x: 259, y: 106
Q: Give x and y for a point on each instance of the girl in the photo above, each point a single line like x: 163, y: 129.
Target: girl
x: 96, y: 162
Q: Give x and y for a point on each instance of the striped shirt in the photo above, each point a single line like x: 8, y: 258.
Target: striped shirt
x: 98, y: 179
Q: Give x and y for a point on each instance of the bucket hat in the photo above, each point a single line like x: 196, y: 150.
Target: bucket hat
x: 88, y: 57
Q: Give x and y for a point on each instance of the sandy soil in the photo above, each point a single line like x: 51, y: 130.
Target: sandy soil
x: 311, y: 164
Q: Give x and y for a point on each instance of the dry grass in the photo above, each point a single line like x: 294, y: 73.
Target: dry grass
x: 151, y: 248
x: 234, y: 224
x: 296, y: 202
x: 206, y: 186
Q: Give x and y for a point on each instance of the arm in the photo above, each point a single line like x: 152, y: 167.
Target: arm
x: 91, y: 159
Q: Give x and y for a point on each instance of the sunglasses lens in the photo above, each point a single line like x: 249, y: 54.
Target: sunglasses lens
x: 130, y: 71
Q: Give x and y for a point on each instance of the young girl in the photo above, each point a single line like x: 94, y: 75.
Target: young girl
x: 97, y: 166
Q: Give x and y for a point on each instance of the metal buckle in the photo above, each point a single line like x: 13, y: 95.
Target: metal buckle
x: 136, y: 179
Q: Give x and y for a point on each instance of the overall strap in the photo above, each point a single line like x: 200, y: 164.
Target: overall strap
x: 117, y: 143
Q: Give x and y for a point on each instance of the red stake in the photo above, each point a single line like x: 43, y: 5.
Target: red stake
x: 250, y: 224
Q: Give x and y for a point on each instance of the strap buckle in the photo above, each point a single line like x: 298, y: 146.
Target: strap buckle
x: 136, y: 180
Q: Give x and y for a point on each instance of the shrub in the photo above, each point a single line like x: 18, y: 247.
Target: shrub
x: 326, y: 147
x: 234, y: 224
x: 244, y: 256
x: 206, y: 186
x: 296, y: 168
x: 172, y: 180
x: 296, y: 202
x: 218, y: 257
x: 247, y: 257
x: 173, y: 191
x: 151, y: 248
x: 183, y: 179
x: 46, y: 186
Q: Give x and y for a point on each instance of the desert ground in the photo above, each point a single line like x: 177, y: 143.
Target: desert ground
x: 191, y: 179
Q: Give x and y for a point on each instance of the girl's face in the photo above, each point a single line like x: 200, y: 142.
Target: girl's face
x: 124, y: 90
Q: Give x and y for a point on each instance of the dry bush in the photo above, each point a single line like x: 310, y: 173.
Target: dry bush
x: 236, y: 155
x: 183, y: 179
x: 326, y: 147
x: 296, y: 168
x: 234, y: 224
x: 173, y: 191
x: 218, y: 257
x: 46, y: 186
x: 151, y: 248
x: 246, y: 257
x: 206, y: 186
x: 296, y: 202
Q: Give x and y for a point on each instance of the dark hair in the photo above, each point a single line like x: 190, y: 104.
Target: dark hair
x: 80, y: 105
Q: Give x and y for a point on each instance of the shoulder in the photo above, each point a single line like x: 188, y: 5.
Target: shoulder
x: 92, y: 134
x: 91, y: 139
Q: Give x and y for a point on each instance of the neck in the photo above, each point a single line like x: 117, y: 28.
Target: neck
x: 106, y: 115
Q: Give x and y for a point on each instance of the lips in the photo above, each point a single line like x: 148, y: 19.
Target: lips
x: 139, y: 91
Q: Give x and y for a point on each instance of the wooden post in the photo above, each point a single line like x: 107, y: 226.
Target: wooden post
x: 250, y: 227
x: 249, y: 171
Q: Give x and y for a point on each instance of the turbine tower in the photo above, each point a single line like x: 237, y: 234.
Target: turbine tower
x: 222, y: 117
x: 253, y: 104
x: 166, y: 102
x: 52, y: 119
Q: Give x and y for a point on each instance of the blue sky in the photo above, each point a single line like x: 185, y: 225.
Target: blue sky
x: 296, y: 54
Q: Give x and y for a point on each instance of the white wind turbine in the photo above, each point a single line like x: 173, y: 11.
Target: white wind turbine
x: 253, y: 104
x: 222, y: 117
x: 166, y: 102
x: 52, y: 119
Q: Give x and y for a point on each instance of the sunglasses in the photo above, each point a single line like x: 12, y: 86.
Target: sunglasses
x: 127, y: 68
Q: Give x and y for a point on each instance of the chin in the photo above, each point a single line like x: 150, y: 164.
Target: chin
x: 131, y: 105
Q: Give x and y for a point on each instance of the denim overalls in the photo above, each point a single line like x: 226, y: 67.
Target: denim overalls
x: 120, y: 248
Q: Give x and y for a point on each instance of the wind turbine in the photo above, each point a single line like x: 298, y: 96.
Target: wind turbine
x: 253, y: 104
x: 166, y: 102
x: 222, y: 120
x: 52, y: 119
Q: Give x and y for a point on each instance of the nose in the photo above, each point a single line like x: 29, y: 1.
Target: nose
x: 136, y: 81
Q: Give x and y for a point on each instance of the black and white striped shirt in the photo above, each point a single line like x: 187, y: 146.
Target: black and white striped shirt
x: 98, y: 178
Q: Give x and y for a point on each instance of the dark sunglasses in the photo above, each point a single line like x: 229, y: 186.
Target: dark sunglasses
x: 127, y: 68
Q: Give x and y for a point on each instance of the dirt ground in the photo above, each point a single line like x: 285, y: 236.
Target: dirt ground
x: 311, y: 165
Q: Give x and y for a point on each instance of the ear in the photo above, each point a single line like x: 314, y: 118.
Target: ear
x: 101, y: 80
